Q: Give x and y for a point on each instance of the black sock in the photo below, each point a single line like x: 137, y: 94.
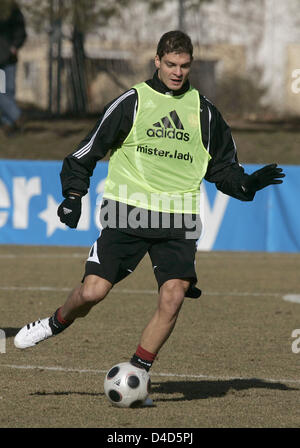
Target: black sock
x: 57, y: 324
x: 141, y: 363
x: 142, y: 358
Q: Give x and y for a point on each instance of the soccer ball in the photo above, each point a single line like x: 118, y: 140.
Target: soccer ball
x: 127, y: 386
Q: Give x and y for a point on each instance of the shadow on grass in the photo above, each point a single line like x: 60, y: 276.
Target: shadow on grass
x: 10, y: 332
x: 197, y: 390
x: 67, y: 392
x: 191, y: 390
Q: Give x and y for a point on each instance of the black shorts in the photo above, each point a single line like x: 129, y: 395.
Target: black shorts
x: 116, y: 254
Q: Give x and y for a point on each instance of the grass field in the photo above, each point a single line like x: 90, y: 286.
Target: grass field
x: 228, y: 364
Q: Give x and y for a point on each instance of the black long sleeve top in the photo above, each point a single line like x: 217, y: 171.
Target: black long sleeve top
x: 114, y: 125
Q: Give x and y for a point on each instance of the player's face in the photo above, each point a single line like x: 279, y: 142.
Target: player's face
x: 173, y: 69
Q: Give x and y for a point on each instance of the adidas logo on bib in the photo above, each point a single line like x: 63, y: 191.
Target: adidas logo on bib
x: 169, y: 126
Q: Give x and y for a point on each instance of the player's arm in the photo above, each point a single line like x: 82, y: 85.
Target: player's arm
x: 108, y: 133
x: 224, y: 168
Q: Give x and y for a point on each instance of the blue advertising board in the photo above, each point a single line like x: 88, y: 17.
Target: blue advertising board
x: 30, y: 192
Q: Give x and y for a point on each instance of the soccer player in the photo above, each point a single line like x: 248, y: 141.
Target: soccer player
x: 164, y: 137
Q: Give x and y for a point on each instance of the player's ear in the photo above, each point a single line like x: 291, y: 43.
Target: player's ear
x: 157, y: 61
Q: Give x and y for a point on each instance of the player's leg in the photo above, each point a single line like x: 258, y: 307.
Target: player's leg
x: 78, y: 304
x: 174, y: 267
x: 171, y: 296
x: 114, y: 249
x: 94, y: 288
x: 84, y: 297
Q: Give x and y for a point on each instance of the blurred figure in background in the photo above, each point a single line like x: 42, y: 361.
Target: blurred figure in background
x: 12, y: 37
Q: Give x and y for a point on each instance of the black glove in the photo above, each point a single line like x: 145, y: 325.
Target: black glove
x: 268, y: 175
x: 69, y: 210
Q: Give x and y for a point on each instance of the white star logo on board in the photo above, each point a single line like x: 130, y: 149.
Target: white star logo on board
x: 49, y: 215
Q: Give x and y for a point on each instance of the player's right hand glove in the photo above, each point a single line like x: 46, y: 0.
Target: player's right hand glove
x: 268, y: 175
x: 69, y: 210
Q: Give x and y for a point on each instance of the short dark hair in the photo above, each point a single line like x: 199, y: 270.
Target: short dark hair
x: 174, y: 41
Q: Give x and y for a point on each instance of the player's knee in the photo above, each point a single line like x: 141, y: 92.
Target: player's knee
x: 88, y: 296
x: 172, y: 296
x: 93, y: 292
x: 174, y: 289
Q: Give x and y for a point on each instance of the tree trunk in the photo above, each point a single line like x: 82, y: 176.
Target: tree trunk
x: 78, y: 73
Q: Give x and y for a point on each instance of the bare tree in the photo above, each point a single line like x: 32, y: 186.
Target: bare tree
x: 184, y: 6
x: 71, y: 20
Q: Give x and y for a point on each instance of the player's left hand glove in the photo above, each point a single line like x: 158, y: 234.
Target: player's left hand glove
x: 69, y: 210
x: 268, y: 175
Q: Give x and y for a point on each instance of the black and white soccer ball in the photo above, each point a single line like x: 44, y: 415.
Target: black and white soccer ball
x: 127, y: 386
